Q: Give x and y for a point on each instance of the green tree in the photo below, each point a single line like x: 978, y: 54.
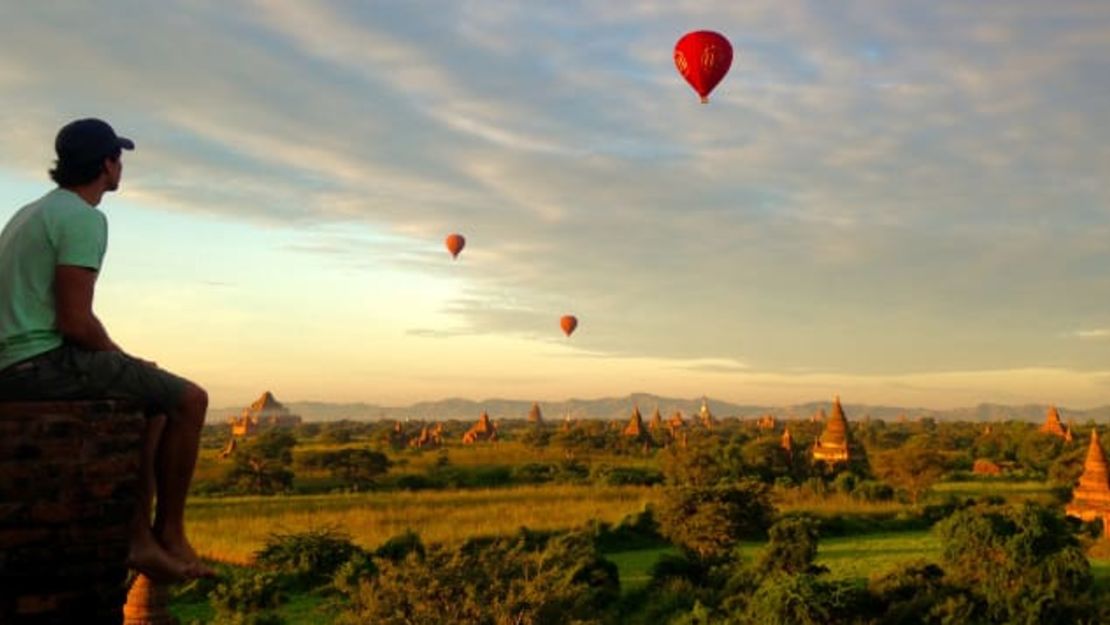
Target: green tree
x: 1023, y: 564
x: 358, y: 467
x: 525, y: 579
x: 792, y: 546
x: 914, y: 469
x: 708, y: 521
x: 262, y: 464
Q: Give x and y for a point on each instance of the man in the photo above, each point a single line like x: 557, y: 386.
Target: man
x: 52, y: 346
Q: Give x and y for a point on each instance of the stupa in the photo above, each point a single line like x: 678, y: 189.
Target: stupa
x: 1052, y: 423
x: 481, y: 431
x: 535, y: 417
x: 1091, y: 498
x: 655, y: 426
x: 635, y: 427
x: 704, y: 416
x: 265, y: 412
x: 787, y: 442
x: 833, y: 446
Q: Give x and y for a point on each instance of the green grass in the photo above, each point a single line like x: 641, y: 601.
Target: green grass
x: 1012, y: 491
x: 863, y: 556
x: 300, y: 609
x: 634, y: 567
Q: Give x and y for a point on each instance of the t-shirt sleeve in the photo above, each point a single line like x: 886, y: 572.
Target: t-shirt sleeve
x: 81, y: 239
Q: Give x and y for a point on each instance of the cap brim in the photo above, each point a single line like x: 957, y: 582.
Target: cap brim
x: 125, y: 143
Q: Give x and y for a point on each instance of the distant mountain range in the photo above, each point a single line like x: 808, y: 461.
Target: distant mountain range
x: 621, y: 407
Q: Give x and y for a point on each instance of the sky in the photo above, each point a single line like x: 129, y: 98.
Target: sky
x: 897, y: 202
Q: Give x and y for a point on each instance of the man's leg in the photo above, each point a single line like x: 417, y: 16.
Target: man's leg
x: 145, y: 554
x: 174, y: 463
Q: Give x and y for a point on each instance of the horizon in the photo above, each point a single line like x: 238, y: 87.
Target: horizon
x: 901, y: 203
x: 710, y: 399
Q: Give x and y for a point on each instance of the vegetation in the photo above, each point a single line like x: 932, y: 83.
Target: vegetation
x: 347, y: 523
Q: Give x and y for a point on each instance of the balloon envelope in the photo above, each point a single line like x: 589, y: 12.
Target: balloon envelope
x: 568, y: 323
x: 455, y: 244
x: 703, y: 58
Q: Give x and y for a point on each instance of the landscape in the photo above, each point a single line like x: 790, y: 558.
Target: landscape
x: 668, y: 515
x: 654, y: 312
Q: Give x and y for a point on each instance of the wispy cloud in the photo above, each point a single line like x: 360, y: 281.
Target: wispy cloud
x: 874, y: 187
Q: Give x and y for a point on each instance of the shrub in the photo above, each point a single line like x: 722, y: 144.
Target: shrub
x: 709, y: 520
x: 401, y: 546
x: 534, y: 473
x: 312, y: 557
x: 627, y: 476
x: 528, y: 578
x: 246, y: 596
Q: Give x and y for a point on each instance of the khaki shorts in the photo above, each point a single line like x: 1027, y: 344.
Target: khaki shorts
x: 69, y: 372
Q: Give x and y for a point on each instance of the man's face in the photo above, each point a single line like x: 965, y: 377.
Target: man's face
x: 114, y: 169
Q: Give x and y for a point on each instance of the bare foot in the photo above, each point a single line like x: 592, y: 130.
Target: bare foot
x: 197, y: 570
x: 178, y: 547
x: 151, y: 560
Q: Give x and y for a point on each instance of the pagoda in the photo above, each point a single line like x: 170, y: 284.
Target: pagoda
x: 1052, y: 423
x: 481, y: 431
x: 704, y: 416
x: 787, y: 442
x: 266, y: 412
x: 1091, y: 498
x: 833, y: 446
x: 535, y: 417
x: 635, y: 427
x: 655, y: 426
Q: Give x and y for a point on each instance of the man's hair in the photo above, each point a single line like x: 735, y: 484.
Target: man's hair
x: 70, y: 174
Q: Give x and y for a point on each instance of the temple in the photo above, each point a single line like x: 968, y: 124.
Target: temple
x: 635, y: 427
x: 787, y: 442
x: 834, y: 445
x: 1052, y: 424
x: 655, y: 426
x: 481, y: 431
x: 266, y: 412
x: 535, y: 417
x: 704, y: 416
x: 1091, y: 498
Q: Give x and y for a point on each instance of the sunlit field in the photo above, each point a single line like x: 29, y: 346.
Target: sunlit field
x: 233, y: 529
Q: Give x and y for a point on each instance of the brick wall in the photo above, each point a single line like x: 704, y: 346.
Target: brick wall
x: 68, y: 471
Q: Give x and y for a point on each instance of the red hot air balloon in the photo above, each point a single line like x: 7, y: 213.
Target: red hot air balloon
x: 455, y: 244
x: 568, y: 323
x: 703, y: 58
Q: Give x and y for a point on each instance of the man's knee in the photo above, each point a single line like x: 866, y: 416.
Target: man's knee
x: 194, y: 402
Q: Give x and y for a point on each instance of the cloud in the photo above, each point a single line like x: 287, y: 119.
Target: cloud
x: 874, y: 188
x: 1101, y: 333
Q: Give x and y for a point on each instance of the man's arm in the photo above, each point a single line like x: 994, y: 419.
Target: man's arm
x: 73, y: 298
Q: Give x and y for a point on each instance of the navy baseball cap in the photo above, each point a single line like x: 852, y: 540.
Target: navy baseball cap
x: 90, y: 139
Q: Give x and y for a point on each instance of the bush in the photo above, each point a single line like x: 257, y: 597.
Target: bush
x: 352, y: 572
x: 635, y: 531
x: 401, y: 546
x: 871, y: 490
x: 528, y: 578
x: 627, y: 476
x: 534, y: 473
x: 709, y: 520
x: 311, y: 557
x: 245, y: 595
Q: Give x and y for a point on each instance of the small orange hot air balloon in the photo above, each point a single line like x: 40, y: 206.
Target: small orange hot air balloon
x: 568, y: 323
x: 703, y: 58
x: 455, y: 244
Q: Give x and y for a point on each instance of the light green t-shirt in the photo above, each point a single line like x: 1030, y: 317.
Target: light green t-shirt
x: 59, y: 228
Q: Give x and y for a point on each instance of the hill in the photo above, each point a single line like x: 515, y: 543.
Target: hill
x: 620, y: 407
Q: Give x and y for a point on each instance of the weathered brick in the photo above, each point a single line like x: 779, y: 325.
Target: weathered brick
x: 10, y: 538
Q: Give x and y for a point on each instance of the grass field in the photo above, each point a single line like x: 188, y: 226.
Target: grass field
x: 232, y: 529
